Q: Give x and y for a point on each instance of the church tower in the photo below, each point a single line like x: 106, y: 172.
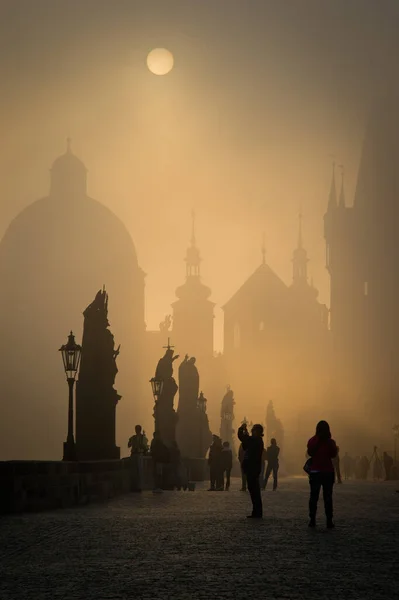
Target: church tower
x: 300, y: 261
x: 304, y: 294
x: 193, y: 311
x: 376, y: 205
x: 346, y: 291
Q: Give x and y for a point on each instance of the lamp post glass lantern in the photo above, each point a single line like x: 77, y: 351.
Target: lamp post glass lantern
x: 201, y: 402
x: 157, y: 387
x: 71, y: 353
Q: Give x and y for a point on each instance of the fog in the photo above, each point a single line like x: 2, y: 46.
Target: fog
x: 263, y: 98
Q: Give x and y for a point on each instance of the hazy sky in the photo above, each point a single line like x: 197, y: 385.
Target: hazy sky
x: 243, y: 129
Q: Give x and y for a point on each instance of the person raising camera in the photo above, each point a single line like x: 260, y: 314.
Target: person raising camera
x: 252, y: 464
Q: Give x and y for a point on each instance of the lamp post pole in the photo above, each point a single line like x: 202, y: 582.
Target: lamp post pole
x: 201, y: 406
x: 70, y: 436
x: 71, y: 353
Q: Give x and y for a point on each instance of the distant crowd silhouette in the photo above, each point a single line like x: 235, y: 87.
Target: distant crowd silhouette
x: 323, y: 466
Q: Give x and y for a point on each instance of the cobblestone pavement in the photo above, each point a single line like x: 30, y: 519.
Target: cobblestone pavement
x: 184, y: 545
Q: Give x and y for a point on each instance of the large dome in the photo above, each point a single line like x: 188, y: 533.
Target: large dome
x: 54, y: 257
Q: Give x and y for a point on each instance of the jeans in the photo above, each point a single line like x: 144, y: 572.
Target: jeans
x: 271, y: 468
x: 254, y: 490
x: 216, y: 476
x: 325, y: 481
x: 227, y: 471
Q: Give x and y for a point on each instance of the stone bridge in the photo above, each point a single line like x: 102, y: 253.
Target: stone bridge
x: 199, y: 545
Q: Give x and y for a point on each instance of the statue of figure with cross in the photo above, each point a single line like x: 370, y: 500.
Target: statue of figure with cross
x: 164, y: 413
x: 165, y: 365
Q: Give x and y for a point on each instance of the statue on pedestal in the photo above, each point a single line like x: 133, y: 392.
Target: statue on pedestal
x: 164, y: 412
x: 227, y: 418
x: 274, y: 427
x: 96, y: 397
x: 193, y: 431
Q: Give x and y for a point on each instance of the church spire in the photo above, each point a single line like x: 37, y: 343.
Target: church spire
x: 341, y: 202
x: 193, y: 259
x: 300, y: 258
x: 332, y: 199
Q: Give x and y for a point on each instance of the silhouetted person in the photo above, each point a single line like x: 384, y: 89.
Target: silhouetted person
x: 263, y: 469
x: 347, y: 465
x: 272, y: 454
x: 337, y: 467
x: 388, y: 464
x: 215, y: 464
x: 322, y: 449
x: 241, y: 455
x: 377, y: 465
x: 138, y: 445
x: 227, y: 464
x: 252, y: 464
x: 160, y: 456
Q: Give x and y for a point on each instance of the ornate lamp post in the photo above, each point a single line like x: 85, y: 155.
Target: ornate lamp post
x: 201, y: 406
x: 201, y: 403
x: 157, y: 387
x: 70, y: 352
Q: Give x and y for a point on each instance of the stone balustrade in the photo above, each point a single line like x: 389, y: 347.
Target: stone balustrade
x: 46, y: 485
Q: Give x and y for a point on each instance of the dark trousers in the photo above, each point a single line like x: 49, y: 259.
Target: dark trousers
x: 243, y: 480
x: 216, y: 477
x: 325, y: 481
x: 254, y: 490
x: 271, y: 468
x: 227, y: 485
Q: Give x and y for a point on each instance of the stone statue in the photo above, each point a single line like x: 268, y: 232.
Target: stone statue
x: 166, y: 324
x: 164, y: 368
x: 164, y: 412
x: 227, y: 417
x: 274, y: 427
x: 188, y: 380
x: 193, y: 427
x: 96, y: 398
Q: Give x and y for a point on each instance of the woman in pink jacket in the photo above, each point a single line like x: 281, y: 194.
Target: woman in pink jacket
x: 322, y: 449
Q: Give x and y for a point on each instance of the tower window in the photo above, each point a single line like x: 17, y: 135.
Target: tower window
x: 366, y: 288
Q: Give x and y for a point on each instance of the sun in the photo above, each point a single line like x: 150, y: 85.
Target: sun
x: 160, y: 61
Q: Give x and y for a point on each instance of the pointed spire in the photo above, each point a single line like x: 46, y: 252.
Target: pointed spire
x: 341, y: 202
x: 69, y: 146
x: 332, y: 199
x: 263, y: 248
x: 300, y: 257
x: 193, y: 258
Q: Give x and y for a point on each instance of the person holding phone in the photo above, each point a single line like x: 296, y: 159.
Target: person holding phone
x: 252, y: 464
